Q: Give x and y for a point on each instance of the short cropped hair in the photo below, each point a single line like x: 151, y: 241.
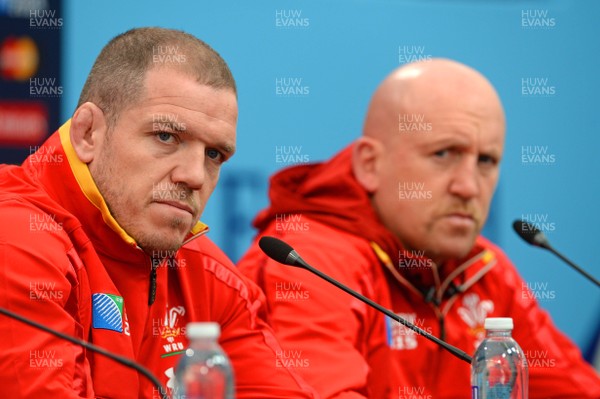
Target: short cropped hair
x: 117, y: 77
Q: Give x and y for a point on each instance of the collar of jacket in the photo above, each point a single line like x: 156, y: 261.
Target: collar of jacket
x: 461, y: 275
x: 70, y: 183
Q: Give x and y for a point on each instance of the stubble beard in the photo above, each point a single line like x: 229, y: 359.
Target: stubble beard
x: 151, y: 242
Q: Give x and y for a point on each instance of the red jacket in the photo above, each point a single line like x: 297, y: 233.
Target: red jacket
x: 352, y: 351
x: 65, y: 262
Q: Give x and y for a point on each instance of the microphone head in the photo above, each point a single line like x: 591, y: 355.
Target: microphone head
x: 530, y: 233
x: 276, y: 249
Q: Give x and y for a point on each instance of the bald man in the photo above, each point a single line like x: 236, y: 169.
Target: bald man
x: 397, y: 217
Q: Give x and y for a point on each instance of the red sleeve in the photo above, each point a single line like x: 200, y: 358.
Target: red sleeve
x: 38, y: 281
x: 322, y: 330
x: 239, y: 307
x: 556, y: 367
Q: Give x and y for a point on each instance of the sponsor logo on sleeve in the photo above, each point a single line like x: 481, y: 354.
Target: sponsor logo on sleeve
x: 107, y: 312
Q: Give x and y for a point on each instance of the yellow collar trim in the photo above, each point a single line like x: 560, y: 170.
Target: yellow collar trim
x: 90, y: 190
x: 381, y: 254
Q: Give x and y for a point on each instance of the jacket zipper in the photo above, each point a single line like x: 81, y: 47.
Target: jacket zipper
x: 152, y: 290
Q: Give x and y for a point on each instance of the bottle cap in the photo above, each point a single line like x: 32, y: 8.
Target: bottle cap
x: 202, y: 330
x: 498, y: 323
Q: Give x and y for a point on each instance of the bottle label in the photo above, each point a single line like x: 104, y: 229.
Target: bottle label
x: 499, y: 391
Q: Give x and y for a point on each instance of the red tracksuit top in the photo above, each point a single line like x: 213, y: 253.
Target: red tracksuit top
x: 348, y: 350
x: 65, y: 262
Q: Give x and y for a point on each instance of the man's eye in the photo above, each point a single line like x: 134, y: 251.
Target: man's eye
x: 487, y: 159
x: 442, y: 153
x: 214, y: 154
x: 165, y: 137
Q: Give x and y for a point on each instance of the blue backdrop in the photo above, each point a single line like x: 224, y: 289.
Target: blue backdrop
x: 543, y: 57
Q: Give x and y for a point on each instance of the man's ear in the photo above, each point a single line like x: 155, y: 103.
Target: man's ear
x: 366, y: 162
x: 88, y: 130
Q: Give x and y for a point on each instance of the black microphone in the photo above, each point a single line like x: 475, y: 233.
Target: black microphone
x: 285, y: 254
x: 94, y: 348
x: 536, y: 237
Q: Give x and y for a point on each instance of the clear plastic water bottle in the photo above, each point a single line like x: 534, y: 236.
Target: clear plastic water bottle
x: 204, y: 371
x: 499, y: 367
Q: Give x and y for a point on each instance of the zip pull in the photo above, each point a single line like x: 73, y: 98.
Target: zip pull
x: 152, y: 292
x: 429, y: 296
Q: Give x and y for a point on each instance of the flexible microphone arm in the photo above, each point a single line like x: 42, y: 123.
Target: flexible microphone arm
x: 285, y: 254
x: 536, y: 237
x: 120, y: 359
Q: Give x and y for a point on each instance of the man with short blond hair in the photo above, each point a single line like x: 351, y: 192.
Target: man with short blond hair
x: 101, y: 238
